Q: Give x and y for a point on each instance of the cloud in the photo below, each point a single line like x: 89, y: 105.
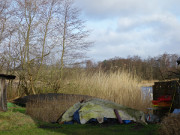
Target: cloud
x: 145, y: 36
x: 103, y: 9
x: 132, y: 27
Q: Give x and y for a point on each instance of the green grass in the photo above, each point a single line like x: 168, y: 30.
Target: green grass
x: 53, y: 129
x: 16, y: 122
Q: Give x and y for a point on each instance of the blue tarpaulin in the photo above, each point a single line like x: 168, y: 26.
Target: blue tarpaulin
x: 176, y: 111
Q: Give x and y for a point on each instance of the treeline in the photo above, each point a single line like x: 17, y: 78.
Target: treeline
x: 153, y: 68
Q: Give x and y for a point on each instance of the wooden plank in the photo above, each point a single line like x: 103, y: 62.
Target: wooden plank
x: 3, y: 95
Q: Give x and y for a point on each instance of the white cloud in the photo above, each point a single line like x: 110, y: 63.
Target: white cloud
x: 132, y: 27
x: 101, y: 9
x: 111, y: 8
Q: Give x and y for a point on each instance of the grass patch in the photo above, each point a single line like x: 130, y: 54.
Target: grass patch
x: 14, y: 122
x: 76, y: 129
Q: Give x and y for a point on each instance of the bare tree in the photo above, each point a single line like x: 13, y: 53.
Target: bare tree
x: 72, y: 34
x: 4, y: 5
x: 29, y: 30
x: 34, y: 28
x: 7, y: 28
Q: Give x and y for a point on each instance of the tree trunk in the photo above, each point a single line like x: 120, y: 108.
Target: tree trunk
x: 3, y: 95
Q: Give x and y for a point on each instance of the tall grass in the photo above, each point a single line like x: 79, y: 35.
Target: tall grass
x: 120, y: 87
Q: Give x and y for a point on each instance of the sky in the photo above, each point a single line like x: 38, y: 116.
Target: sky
x: 122, y: 28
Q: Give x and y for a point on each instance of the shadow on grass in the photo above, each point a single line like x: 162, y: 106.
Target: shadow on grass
x: 101, y: 129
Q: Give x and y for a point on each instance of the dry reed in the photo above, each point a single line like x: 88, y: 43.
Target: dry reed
x: 119, y: 87
x: 170, y: 125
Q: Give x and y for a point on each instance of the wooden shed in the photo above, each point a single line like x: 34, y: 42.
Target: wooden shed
x: 169, y: 88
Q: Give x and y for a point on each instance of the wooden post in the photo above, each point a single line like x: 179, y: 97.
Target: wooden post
x: 3, y: 91
x: 3, y: 97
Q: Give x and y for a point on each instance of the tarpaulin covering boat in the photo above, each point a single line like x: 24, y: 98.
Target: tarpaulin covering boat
x: 100, y: 110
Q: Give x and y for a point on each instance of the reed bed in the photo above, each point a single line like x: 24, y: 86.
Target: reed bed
x: 119, y: 87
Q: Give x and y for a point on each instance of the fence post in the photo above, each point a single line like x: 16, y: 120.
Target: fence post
x: 3, y: 91
x: 3, y: 95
